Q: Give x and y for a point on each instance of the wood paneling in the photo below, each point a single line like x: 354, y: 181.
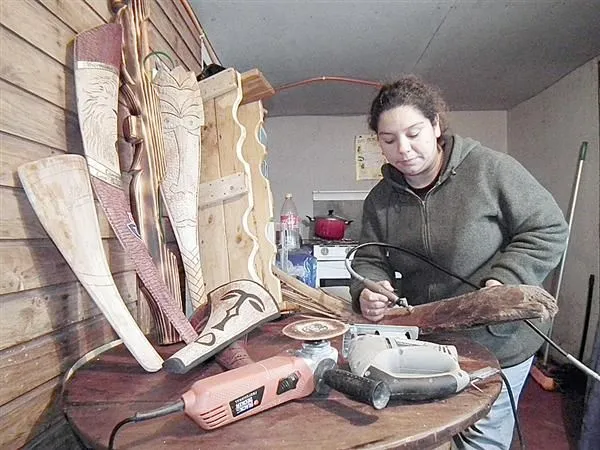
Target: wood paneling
x: 158, y: 43
x: 75, y: 13
x: 30, y: 117
x: 19, y: 221
x: 33, y: 313
x: 16, y: 151
x: 168, y: 31
x: 102, y: 8
x: 34, y: 23
x: 36, y: 263
x: 26, y: 416
x: 57, y: 434
x: 36, y: 72
x: 27, y: 366
x: 184, y: 24
x: 48, y: 320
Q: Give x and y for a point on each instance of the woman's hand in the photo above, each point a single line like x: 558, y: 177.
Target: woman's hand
x: 374, y: 305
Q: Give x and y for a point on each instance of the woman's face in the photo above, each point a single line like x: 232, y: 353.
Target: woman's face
x: 409, y: 142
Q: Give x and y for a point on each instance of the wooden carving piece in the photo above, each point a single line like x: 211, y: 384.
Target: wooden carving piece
x: 59, y: 190
x: 182, y: 116
x: 236, y: 309
x: 498, y: 304
x: 97, y: 62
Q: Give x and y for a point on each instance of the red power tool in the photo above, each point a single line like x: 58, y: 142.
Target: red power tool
x: 239, y: 393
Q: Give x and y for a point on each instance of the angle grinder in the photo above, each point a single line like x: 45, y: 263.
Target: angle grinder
x: 242, y: 392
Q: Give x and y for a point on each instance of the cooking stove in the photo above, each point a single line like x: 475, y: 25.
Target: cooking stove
x: 331, y: 256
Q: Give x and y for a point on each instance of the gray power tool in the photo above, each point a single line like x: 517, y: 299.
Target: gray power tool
x: 414, y: 370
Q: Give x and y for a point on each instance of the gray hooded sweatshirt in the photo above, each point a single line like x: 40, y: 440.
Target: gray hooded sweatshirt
x: 485, y: 218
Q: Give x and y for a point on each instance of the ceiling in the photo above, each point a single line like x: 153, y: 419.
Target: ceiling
x: 484, y: 55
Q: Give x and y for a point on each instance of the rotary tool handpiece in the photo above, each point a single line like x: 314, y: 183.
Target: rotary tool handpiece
x: 390, y: 295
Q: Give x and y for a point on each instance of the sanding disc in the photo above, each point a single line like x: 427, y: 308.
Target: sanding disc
x: 315, y: 329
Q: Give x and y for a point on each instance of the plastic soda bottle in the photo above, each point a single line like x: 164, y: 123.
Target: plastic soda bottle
x: 290, y: 224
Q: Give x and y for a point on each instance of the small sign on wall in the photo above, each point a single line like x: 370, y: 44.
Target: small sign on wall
x: 368, y: 157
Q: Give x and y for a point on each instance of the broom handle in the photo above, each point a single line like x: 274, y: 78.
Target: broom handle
x: 561, y: 266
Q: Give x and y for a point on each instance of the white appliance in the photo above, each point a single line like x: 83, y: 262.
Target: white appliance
x: 332, y: 275
x: 331, y: 266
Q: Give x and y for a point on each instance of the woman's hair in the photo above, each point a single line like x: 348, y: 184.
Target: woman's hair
x: 410, y: 90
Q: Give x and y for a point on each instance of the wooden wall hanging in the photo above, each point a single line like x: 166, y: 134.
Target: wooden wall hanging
x: 141, y: 150
x: 97, y: 62
x: 235, y: 208
x: 182, y: 116
x: 59, y: 191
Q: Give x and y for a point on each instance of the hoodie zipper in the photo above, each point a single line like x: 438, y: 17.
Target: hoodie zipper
x: 425, y: 217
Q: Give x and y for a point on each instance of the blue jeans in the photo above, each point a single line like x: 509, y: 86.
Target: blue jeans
x: 495, y: 431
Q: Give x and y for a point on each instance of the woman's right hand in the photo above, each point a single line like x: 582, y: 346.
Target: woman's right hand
x: 374, y: 305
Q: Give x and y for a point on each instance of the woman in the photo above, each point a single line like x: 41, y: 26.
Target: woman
x: 472, y: 210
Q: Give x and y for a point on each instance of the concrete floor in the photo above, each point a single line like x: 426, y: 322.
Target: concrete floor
x: 550, y: 420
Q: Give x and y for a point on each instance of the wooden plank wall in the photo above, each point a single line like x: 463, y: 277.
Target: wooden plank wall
x: 47, y: 320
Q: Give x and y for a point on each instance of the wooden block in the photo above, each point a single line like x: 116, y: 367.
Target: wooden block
x: 255, y: 87
x: 220, y: 190
x: 211, y: 221
x: 242, y: 245
x: 218, y: 85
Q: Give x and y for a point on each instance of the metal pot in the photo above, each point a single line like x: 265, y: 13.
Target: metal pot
x: 330, y: 227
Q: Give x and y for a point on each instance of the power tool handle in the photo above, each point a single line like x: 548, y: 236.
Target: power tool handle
x: 421, y: 388
x: 372, y: 392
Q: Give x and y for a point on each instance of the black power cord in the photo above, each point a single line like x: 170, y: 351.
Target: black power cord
x: 139, y: 417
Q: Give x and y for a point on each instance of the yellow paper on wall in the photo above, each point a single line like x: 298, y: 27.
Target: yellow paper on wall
x: 368, y: 157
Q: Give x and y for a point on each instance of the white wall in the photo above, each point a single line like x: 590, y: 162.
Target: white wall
x: 309, y: 153
x: 545, y: 134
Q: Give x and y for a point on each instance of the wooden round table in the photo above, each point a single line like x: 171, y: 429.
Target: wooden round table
x: 113, y: 387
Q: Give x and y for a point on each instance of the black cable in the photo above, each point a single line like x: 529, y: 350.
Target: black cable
x: 513, y: 405
x: 141, y: 416
x: 113, y: 433
x: 412, y: 253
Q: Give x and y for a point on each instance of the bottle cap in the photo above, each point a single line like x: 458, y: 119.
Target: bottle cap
x: 288, y: 195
